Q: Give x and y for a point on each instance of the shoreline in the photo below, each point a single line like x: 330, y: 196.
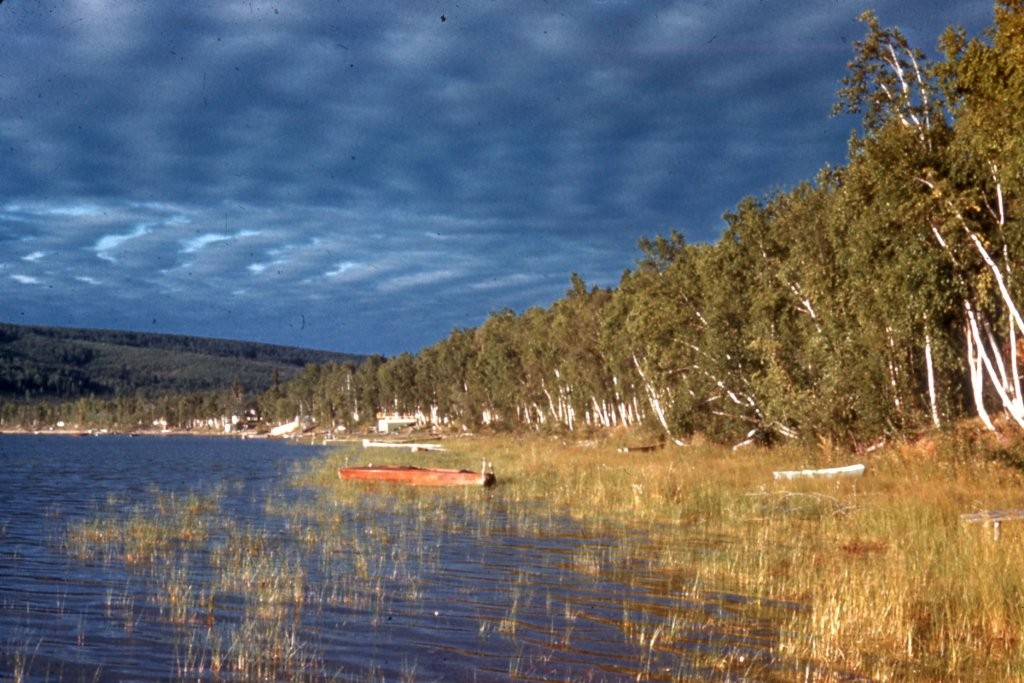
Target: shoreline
x: 307, y: 439
x: 4, y: 431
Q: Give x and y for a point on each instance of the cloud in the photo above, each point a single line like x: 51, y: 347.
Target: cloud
x: 506, y: 281
x: 107, y: 245
x: 195, y: 244
x: 25, y: 279
x: 220, y: 168
x: 424, y: 278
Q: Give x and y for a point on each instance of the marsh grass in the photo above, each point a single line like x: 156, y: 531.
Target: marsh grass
x: 886, y: 581
x: 233, y: 594
x: 147, y: 533
x: 18, y: 656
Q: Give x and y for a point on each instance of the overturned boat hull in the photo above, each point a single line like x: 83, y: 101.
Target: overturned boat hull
x: 411, y: 445
x: 828, y: 472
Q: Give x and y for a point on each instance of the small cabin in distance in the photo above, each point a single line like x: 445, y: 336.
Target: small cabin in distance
x: 388, y: 424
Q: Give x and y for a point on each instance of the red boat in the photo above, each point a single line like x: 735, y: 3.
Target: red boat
x: 417, y: 476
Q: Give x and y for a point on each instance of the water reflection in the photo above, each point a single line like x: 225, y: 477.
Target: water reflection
x: 181, y: 558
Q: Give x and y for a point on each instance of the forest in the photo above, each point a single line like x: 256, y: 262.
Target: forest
x: 41, y: 365
x: 877, y: 300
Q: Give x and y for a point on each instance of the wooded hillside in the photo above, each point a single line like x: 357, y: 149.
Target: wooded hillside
x: 61, y: 363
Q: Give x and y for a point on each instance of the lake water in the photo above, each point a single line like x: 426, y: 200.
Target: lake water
x: 277, y: 582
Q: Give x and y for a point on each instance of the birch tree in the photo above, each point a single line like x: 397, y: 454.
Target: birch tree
x: 978, y: 222
x: 900, y: 96
x: 576, y: 328
x: 684, y: 333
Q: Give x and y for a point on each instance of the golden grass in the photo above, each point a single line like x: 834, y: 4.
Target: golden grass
x: 897, y: 586
x: 146, y: 534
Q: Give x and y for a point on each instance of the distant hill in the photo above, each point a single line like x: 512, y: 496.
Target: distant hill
x: 65, y: 363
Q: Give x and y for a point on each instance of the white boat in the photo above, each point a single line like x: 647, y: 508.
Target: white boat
x: 287, y: 429
x: 846, y: 471
x: 403, y: 444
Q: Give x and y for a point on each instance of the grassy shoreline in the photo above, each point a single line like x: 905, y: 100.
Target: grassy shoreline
x: 897, y: 587
x: 872, y: 577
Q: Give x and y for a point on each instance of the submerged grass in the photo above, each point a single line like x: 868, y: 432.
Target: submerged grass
x: 233, y: 594
x: 146, y: 534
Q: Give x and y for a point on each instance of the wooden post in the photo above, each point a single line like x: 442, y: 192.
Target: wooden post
x: 995, y: 518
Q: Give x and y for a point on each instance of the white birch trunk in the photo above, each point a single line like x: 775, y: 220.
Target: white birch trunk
x: 977, y: 380
x: 652, y: 396
x: 600, y: 414
x: 929, y: 364
x: 1014, y: 363
x: 1004, y: 380
x: 893, y: 371
x: 551, y: 402
x: 985, y: 366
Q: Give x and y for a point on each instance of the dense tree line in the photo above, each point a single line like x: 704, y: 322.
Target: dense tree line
x: 210, y: 410
x: 879, y: 298
x: 330, y: 396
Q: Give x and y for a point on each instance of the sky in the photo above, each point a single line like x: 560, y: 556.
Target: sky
x: 366, y: 176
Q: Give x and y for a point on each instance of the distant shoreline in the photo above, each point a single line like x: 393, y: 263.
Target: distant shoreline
x: 110, y: 432
x: 303, y: 439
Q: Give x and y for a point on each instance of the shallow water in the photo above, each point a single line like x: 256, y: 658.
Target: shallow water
x: 288, y: 584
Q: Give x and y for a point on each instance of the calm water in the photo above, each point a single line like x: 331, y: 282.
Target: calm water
x: 446, y: 586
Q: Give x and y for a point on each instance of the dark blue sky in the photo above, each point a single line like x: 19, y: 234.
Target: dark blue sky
x: 365, y: 176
